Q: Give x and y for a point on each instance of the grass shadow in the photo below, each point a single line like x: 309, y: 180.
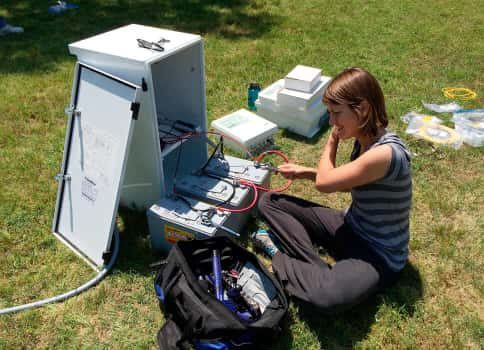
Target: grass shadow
x: 44, y: 43
x: 135, y: 252
x: 346, y: 329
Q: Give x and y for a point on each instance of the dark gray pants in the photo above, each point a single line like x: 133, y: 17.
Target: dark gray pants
x: 298, y: 225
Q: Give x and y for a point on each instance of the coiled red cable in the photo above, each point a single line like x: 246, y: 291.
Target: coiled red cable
x: 284, y: 157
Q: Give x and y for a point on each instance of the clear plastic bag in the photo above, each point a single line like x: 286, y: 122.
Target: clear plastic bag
x: 448, y: 107
x: 430, y: 128
x: 416, y: 120
x: 470, y: 125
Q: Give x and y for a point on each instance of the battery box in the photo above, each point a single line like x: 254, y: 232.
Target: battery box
x: 176, y: 218
x: 179, y: 218
x: 220, y: 192
x: 212, y: 190
x: 232, y: 167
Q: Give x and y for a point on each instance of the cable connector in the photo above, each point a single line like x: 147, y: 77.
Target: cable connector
x: 206, y: 217
x: 267, y: 166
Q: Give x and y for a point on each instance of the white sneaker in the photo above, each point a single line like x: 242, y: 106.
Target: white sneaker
x: 265, y: 240
x: 8, y: 29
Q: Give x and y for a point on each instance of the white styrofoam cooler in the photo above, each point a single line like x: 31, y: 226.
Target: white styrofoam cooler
x: 302, y: 100
x: 268, y: 96
x: 302, y: 123
x: 302, y: 78
x: 247, y: 128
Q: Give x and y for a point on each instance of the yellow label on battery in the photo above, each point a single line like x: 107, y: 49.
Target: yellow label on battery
x: 173, y: 234
x: 427, y: 118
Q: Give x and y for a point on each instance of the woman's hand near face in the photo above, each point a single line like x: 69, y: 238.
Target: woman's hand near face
x: 334, y: 136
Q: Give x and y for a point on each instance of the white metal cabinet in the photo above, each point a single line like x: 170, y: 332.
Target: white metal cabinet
x: 121, y: 95
x: 173, y: 84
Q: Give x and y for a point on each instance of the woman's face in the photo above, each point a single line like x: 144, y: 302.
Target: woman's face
x: 344, y: 119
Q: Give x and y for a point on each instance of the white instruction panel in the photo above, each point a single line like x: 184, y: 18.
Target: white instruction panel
x: 95, y: 154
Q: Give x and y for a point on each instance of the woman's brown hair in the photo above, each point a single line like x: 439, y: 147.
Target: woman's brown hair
x: 352, y: 87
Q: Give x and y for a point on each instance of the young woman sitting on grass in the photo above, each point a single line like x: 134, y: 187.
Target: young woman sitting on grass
x: 369, y: 240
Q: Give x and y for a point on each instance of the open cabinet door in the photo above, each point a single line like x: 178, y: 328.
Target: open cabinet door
x: 103, y: 110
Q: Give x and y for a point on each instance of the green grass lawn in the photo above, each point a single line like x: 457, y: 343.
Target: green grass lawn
x: 414, y: 48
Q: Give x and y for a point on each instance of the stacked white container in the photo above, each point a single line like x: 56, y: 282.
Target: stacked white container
x: 294, y: 103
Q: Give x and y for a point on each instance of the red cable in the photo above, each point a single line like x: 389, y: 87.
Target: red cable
x: 252, y: 204
x: 272, y: 151
x: 281, y: 189
x: 283, y: 156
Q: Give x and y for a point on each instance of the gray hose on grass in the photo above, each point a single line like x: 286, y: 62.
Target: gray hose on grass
x: 73, y: 292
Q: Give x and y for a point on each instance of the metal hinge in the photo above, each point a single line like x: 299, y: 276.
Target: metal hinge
x: 72, y: 111
x: 107, y: 255
x: 135, y: 109
x: 62, y: 177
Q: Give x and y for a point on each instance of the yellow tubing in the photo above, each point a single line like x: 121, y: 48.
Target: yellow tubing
x: 459, y: 92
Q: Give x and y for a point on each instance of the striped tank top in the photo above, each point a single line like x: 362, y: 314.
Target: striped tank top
x: 379, y: 211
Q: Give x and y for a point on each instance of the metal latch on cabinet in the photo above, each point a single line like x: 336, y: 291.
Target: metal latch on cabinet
x: 72, y: 111
x: 62, y: 177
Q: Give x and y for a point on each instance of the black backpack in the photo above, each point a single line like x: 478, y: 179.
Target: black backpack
x: 194, y: 315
